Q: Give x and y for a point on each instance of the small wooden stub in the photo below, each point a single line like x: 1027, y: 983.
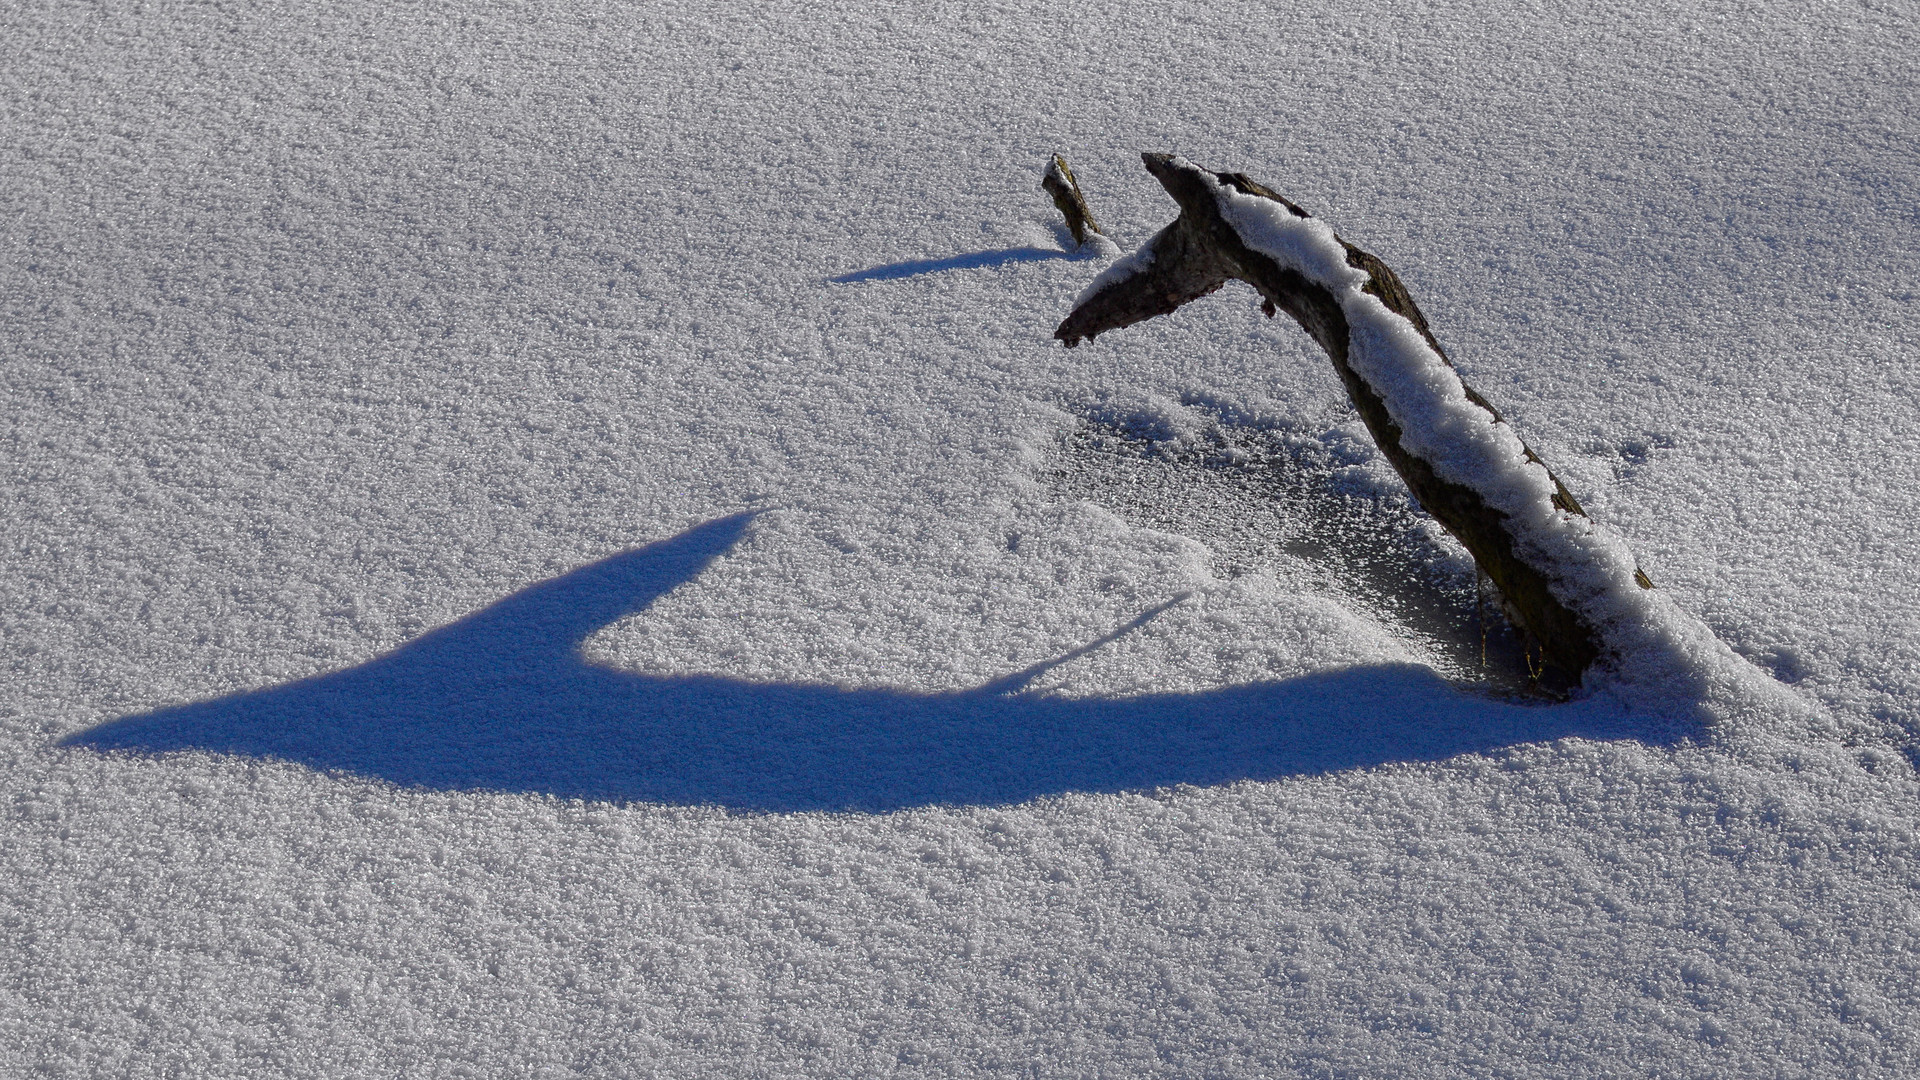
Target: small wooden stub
x: 1066, y: 193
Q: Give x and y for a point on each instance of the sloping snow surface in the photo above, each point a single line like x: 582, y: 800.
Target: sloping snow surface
x: 550, y: 542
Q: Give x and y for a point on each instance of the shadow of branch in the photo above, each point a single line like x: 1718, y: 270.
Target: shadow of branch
x: 502, y: 700
x: 970, y: 261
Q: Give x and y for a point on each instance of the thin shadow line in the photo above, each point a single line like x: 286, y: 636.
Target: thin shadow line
x: 970, y: 261
x: 1016, y: 682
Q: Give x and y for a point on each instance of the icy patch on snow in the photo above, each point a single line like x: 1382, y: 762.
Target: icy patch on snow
x: 1318, y: 513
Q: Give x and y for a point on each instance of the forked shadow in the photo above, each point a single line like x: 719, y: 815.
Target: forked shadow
x: 501, y: 700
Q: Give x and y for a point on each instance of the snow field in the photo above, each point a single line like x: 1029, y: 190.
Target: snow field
x: 330, y: 326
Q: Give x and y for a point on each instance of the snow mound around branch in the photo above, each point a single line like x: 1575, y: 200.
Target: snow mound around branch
x: 1655, y: 655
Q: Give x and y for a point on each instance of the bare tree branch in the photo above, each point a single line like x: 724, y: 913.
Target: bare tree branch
x: 1202, y: 249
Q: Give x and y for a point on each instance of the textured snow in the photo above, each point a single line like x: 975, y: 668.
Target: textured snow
x: 529, y: 549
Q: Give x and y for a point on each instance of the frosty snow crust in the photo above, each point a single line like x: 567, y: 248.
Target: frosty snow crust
x: 1653, y: 653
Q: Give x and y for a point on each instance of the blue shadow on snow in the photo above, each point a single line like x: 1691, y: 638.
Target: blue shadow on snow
x: 969, y: 261
x: 501, y: 700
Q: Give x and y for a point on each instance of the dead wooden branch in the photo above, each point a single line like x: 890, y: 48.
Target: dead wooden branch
x: 1201, y: 250
x: 1065, y: 190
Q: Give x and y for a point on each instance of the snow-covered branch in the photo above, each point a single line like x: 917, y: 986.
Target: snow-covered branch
x: 1567, y: 583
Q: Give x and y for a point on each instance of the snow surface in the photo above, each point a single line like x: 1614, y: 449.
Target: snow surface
x: 529, y: 547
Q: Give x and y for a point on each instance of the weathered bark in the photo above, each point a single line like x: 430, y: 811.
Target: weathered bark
x: 1200, y: 251
x: 1065, y: 190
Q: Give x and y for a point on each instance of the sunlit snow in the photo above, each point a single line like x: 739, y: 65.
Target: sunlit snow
x: 557, y: 541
